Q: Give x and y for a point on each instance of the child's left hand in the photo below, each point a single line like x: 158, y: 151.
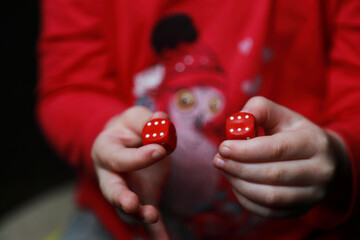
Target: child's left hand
x: 286, y: 172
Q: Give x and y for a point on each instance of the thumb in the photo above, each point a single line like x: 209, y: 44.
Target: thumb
x: 272, y: 117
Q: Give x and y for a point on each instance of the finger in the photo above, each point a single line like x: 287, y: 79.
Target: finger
x: 136, y: 117
x: 159, y: 114
x: 120, y: 136
x: 267, y: 212
x: 123, y: 159
x: 277, y: 196
x: 129, y: 126
x: 157, y: 231
x: 147, y: 214
x: 129, y: 218
x: 287, y: 173
x: 116, y: 191
x: 271, y: 116
x: 278, y: 147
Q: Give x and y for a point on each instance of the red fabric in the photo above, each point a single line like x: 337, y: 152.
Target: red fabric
x: 90, y: 50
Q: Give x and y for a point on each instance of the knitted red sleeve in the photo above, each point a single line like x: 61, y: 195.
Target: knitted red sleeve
x: 78, y: 92
x: 343, y: 116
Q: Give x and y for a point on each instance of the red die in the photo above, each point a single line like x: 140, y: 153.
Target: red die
x: 240, y: 125
x: 160, y: 131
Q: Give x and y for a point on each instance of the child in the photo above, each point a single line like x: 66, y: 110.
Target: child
x: 196, y: 63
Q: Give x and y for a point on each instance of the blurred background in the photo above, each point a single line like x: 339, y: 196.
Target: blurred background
x: 31, y: 172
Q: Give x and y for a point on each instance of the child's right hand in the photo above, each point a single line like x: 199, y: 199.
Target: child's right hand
x: 131, y: 176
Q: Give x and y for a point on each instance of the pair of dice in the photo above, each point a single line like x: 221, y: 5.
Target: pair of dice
x: 161, y: 131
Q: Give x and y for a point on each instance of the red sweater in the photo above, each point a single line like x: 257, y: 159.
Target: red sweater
x: 304, y: 55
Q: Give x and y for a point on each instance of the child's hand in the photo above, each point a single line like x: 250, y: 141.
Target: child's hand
x: 131, y: 176
x: 286, y: 172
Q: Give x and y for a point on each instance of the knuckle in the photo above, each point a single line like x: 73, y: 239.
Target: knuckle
x: 279, y: 150
x: 142, y: 154
x: 237, y: 169
x: 327, y: 172
x: 322, y: 141
x: 245, y: 152
x: 112, y: 162
x: 275, y: 175
x: 272, y: 198
x: 96, y: 147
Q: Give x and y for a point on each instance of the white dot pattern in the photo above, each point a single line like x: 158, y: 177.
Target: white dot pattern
x: 245, y: 46
x: 179, y: 67
x: 188, y: 59
x: 156, y: 123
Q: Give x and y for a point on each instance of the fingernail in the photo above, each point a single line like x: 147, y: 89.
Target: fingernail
x: 225, y: 151
x: 156, y: 154
x: 219, y: 162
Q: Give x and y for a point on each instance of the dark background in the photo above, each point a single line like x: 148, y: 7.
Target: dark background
x: 29, y: 166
